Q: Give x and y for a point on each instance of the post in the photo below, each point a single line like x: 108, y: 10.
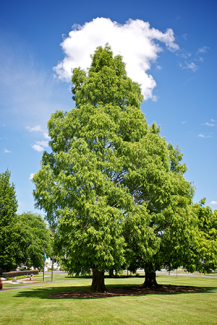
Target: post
x: 44, y: 264
x: 1, y: 284
x: 52, y: 269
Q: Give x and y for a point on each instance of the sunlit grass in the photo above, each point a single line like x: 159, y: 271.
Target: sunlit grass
x: 35, y: 306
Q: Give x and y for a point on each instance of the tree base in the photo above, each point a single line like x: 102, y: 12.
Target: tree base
x: 98, y: 282
x: 150, y: 280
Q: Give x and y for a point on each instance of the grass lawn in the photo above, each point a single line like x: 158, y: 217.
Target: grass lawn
x: 34, y: 306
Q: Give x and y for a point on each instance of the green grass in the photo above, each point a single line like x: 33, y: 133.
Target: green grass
x: 34, y: 306
x: 24, y: 277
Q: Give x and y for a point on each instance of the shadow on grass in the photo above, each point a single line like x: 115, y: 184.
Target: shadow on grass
x: 44, y: 293
x: 82, y: 292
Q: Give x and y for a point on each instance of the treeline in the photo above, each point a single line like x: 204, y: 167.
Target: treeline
x: 23, y: 237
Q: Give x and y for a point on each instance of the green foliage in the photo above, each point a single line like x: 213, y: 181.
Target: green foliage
x: 112, y: 185
x: 34, y: 238
x: 203, y: 253
x: 10, y: 253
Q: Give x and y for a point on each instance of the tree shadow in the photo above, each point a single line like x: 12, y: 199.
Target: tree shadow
x: 44, y: 293
x: 83, y: 292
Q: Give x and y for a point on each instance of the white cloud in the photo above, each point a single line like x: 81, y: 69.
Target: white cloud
x: 184, y: 55
x: 212, y: 120
x: 31, y: 176
x: 213, y: 202
x: 209, y: 124
x: 3, y: 125
x: 42, y: 143
x: 185, y: 36
x: 184, y: 122
x: 7, y: 151
x: 158, y: 67
x: 192, y: 66
x: 204, y: 136
x: 36, y: 128
x: 46, y: 135
x: 203, y: 49
x: 199, y: 59
x: 135, y: 41
x: 37, y: 147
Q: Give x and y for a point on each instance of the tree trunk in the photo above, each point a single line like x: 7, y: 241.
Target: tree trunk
x: 111, y: 272
x: 150, y: 277
x: 98, y: 284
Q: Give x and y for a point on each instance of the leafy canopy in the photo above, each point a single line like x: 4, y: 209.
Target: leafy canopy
x: 10, y: 253
x: 204, y: 251
x: 34, y: 238
x: 112, y: 185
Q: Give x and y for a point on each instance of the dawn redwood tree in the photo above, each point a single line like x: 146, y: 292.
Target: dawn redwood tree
x: 111, y: 184
x: 10, y: 252
x: 159, y: 185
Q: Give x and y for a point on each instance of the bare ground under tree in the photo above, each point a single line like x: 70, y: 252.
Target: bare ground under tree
x: 125, y: 291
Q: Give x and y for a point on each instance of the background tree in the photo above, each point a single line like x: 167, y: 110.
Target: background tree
x: 34, y: 239
x: 203, y: 251
x: 10, y: 253
x: 111, y: 184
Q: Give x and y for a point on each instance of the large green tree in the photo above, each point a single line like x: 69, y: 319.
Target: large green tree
x: 156, y: 181
x: 35, y: 238
x: 10, y: 253
x: 203, y: 251
x: 112, y: 185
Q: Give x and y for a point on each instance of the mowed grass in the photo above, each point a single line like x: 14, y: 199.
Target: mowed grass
x: 57, y: 277
x: 35, y: 306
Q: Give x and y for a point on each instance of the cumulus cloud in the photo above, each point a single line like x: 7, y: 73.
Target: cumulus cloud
x: 37, y: 147
x: 31, y: 176
x: 185, y: 36
x: 135, y: 41
x: 7, y: 151
x: 212, y: 120
x: 40, y: 145
x: 46, y: 135
x: 184, y: 122
x: 204, y: 136
x: 213, y: 202
x: 38, y: 128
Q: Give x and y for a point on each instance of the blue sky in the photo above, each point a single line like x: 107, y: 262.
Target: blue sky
x: 170, y: 49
